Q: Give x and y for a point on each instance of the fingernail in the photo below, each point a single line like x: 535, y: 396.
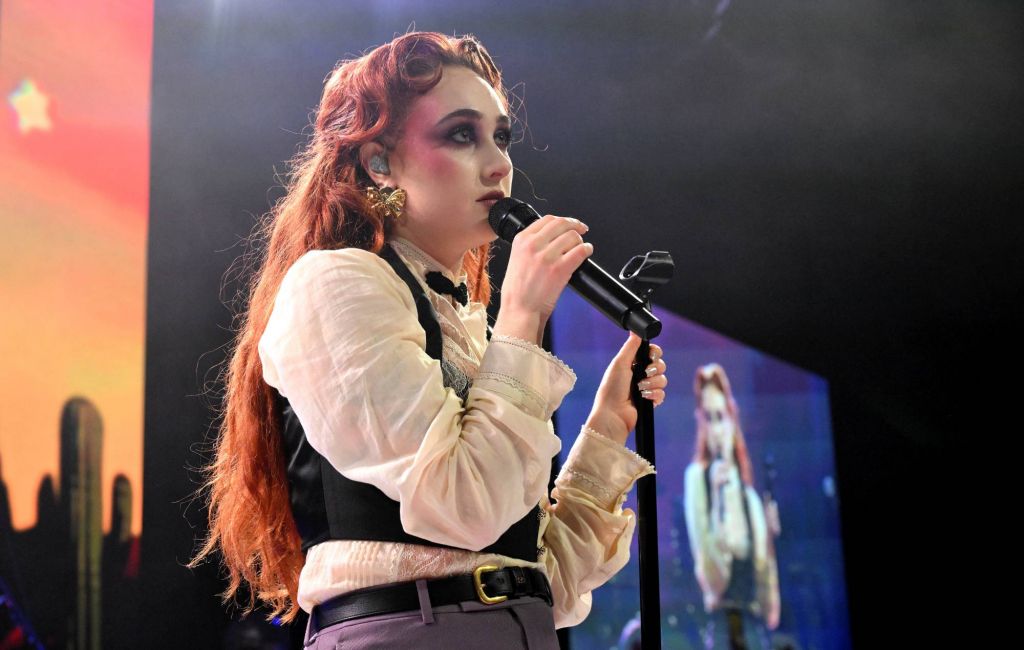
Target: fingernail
x: 647, y: 393
x: 645, y: 383
x: 651, y: 370
x: 654, y: 357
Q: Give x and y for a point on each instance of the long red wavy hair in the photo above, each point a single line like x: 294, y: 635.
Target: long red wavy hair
x: 714, y: 375
x: 364, y: 99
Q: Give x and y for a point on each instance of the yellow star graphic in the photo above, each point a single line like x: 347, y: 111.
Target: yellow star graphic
x: 30, y: 105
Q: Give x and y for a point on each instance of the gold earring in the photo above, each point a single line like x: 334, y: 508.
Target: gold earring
x: 386, y: 202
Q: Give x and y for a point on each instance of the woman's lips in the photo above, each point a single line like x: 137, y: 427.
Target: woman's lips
x: 491, y: 198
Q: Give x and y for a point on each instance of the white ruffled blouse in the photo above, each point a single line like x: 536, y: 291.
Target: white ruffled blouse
x: 345, y: 347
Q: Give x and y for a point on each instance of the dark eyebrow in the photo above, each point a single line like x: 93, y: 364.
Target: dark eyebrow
x: 472, y: 114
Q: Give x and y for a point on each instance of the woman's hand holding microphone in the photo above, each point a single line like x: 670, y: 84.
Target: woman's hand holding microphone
x: 543, y: 258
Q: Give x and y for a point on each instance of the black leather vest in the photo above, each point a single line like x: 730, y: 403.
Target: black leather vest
x: 328, y: 506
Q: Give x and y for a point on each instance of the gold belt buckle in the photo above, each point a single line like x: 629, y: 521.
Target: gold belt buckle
x: 484, y: 598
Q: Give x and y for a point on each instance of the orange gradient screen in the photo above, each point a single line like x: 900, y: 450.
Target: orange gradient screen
x: 74, y: 192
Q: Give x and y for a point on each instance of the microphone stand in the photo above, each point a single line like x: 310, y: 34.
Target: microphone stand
x: 643, y: 275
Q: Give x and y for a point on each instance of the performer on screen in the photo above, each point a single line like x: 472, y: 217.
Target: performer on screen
x: 384, y: 456
x: 731, y: 534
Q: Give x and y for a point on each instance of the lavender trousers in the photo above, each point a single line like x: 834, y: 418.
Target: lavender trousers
x: 520, y: 624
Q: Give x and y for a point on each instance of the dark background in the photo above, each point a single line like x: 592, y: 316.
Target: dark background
x: 837, y: 181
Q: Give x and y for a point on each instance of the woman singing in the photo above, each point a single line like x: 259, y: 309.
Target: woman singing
x: 730, y: 532
x: 384, y: 455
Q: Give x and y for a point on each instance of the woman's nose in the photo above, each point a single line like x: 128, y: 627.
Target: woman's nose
x: 498, y: 165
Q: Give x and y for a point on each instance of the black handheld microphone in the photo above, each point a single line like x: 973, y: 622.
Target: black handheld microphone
x: 509, y: 216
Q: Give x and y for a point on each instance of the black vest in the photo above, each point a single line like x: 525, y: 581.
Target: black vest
x: 328, y: 506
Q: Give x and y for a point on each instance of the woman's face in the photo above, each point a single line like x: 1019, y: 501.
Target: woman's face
x: 452, y: 151
x: 721, y: 428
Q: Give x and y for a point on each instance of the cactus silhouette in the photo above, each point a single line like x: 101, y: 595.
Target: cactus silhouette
x: 81, y: 505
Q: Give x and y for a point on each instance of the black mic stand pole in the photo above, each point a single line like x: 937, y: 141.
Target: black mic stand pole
x: 643, y: 274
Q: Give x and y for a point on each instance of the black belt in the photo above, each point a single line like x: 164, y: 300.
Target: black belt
x: 487, y: 584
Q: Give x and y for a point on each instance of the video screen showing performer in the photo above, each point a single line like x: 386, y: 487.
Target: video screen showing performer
x: 731, y: 529
x: 750, y: 553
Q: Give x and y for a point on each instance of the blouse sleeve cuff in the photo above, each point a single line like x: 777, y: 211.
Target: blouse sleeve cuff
x: 527, y: 375
x: 603, y: 468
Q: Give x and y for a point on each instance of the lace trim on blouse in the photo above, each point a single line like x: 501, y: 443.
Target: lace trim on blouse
x: 412, y: 252
x: 526, y: 345
x: 605, y: 439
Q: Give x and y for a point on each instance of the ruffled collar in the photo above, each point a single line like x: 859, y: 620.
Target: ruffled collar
x: 472, y: 318
x: 414, y: 253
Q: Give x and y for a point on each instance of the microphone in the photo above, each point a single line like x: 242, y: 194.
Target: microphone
x: 508, y: 217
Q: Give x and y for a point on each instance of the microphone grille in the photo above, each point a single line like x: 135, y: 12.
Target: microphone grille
x: 497, y: 214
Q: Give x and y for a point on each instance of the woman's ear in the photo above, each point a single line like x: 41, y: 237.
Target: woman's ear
x: 374, y: 159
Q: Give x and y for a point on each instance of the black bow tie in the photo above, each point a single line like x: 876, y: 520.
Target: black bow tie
x: 439, y: 283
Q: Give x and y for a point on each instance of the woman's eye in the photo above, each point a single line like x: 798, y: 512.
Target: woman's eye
x: 467, y: 130
x: 504, y: 138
